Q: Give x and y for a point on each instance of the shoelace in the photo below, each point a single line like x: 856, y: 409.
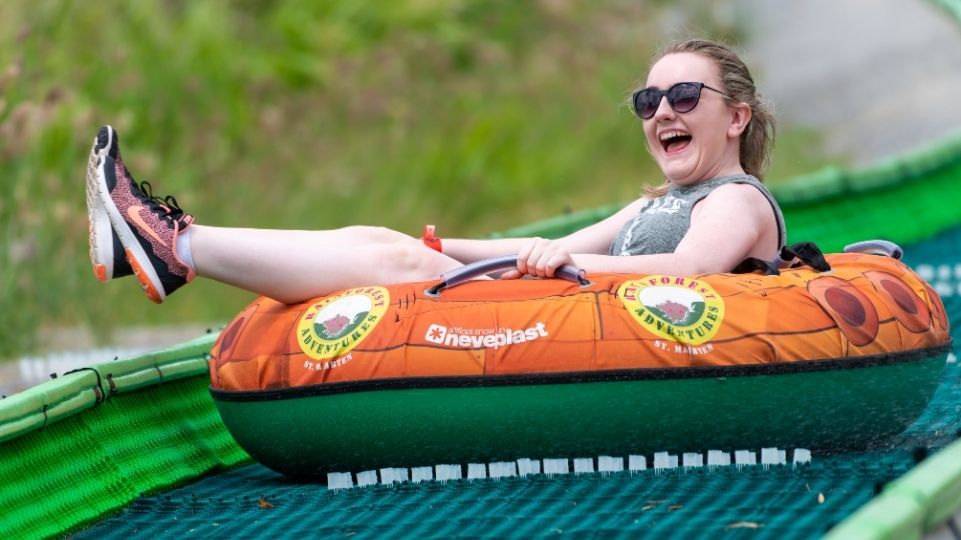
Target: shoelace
x: 165, y: 207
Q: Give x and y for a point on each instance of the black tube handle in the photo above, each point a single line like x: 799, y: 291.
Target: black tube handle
x: 506, y: 262
x: 876, y: 247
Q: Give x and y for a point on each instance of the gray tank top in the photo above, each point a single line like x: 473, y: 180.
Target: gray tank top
x: 663, y: 221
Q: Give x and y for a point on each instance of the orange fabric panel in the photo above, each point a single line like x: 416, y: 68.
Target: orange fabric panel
x: 867, y: 305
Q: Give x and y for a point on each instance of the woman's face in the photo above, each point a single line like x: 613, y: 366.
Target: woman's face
x: 704, y: 142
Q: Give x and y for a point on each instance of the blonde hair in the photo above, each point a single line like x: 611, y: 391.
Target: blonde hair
x: 757, y: 140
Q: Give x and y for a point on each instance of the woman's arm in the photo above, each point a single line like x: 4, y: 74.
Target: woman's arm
x: 594, y: 239
x: 734, y: 222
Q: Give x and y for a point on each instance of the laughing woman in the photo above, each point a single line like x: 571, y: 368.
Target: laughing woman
x: 704, y: 125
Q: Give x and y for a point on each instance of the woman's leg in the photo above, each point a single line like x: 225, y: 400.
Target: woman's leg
x: 294, y: 266
x: 165, y: 249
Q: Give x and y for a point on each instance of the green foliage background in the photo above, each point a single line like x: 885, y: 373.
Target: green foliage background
x: 472, y: 115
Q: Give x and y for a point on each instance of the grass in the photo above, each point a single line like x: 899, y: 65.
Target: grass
x: 472, y: 115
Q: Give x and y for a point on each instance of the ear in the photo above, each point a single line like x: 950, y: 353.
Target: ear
x: 739, y: 120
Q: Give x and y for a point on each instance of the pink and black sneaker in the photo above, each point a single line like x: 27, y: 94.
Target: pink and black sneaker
x: 147, y: 226
x: 106, y: 252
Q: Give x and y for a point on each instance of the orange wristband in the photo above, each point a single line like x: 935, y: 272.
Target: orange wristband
x: 430, y: 239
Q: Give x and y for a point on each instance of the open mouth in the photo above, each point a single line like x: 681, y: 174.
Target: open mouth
x: 674, y: 141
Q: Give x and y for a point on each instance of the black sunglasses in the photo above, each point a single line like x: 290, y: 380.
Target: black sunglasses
x: 682, y: 97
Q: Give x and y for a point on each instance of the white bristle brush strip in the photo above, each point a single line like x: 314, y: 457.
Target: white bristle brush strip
x: 551, y: 466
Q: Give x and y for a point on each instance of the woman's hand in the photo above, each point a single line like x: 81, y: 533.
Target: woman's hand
x: 539, y: 257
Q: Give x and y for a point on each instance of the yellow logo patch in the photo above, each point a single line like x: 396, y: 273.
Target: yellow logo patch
x: 679, y: 309
x: 336, y: 324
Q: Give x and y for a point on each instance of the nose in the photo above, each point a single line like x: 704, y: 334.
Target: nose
x: 664, y: 110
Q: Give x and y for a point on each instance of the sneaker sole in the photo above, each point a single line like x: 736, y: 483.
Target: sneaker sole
x: 101, y: 240
x: 107, y: 258
x: 146, y: 275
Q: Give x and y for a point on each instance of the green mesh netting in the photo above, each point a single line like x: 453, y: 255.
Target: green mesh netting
x: 753, y: 501
x: 161, y: 436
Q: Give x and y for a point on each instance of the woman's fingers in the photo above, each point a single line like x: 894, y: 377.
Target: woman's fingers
x: 511, y: 274
x: 524, y: 254
x: 536, y: 262
x: 556, y: 261
x: 541, y: 258
x: 542, y: 267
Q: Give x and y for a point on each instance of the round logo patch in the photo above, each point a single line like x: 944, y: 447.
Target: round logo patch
x: 680, y: 309
x: 335, y: 325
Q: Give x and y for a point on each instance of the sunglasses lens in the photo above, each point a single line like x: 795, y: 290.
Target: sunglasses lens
x: 683, y: 97
x: 646, y: 102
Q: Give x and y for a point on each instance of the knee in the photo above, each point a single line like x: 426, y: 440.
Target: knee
x: 413, y: 261
x: 375, y: 235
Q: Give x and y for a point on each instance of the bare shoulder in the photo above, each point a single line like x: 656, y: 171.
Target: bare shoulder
x: 741, y: 209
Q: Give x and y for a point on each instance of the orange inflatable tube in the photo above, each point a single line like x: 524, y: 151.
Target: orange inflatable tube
x: 866, y: 306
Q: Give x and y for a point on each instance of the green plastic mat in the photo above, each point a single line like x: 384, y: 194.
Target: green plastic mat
x: 780, y: 501
x: 725, y: 502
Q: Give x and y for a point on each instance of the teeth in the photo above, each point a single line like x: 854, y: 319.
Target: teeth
x: 670, y: 134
